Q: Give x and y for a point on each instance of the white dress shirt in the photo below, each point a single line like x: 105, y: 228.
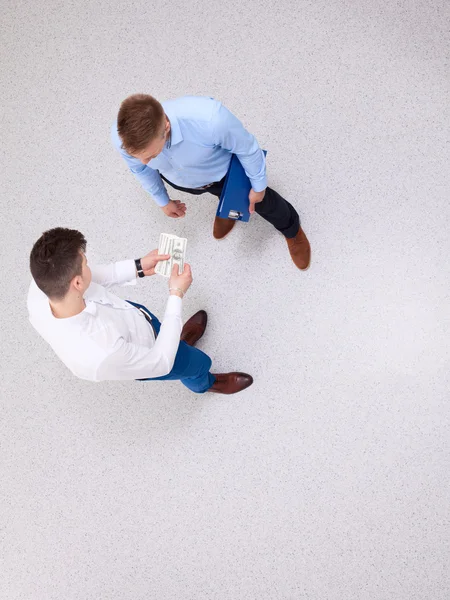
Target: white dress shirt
x: 110, y: 338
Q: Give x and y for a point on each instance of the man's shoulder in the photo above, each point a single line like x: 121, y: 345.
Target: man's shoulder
x: 198, y: 108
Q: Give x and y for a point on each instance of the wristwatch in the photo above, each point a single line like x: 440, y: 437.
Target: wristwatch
x: 140, y: 271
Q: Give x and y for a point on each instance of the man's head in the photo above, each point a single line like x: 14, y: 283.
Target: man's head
x: 58, y: 264
x: 143, y: 127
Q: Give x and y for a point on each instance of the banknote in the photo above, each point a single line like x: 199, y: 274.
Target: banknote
x: 176, y: 247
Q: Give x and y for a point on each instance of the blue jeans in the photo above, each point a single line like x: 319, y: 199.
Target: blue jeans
x: 191, y: 365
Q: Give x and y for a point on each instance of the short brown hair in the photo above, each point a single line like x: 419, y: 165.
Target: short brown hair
x: 56, y: 259
x: 138, y: 122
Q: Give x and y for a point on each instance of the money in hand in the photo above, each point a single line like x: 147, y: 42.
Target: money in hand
x: 176, y: 247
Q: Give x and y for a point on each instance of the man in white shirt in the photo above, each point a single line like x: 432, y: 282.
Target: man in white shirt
x: 99, y: 336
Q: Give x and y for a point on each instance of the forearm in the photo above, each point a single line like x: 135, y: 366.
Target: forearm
x: 168, y: 338
x: 118, y: 273
x: 255, y: 168
x: 229, y: 133
x: 152, y: 183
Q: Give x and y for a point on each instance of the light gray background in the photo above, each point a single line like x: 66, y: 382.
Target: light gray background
x: 329, y: 478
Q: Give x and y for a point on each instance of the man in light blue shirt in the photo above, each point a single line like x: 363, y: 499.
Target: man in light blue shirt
x: 188, y: 143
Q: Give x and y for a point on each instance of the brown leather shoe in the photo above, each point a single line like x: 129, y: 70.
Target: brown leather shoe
x: 194, y: 328
x: 230, y: 383
x: 300, y: 250
x: 222, y: 227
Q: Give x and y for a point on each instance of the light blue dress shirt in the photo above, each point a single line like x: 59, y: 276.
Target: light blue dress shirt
x: 204, y: 135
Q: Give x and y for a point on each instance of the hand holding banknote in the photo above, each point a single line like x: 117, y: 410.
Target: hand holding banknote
x: 150, y: 260
x: 179, y: 283
x: 175, y: 247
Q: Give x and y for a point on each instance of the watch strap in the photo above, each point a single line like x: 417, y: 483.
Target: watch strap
x: 139, y: 269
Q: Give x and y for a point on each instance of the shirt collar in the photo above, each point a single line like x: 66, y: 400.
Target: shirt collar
x: 175, y: 132
x: 91, y: 307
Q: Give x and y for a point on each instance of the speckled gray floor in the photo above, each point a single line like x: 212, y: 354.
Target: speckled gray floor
x: 329, y: 478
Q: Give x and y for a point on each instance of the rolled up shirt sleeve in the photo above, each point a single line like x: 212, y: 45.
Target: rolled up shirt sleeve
x: 130, y: 361
x: 229, y: 133
x: 149, y: 178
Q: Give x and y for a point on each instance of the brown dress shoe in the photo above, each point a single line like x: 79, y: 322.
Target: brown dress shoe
x: 300, y: 250
x: 194, y: 328
x: 230, y: 383
x: 222, y: 227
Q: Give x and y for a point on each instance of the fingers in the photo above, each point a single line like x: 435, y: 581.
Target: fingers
x: 159, y: 257
x: 187, y: 269
x: 179, y: 210
x: 251, y: 208
x: 175, y: 270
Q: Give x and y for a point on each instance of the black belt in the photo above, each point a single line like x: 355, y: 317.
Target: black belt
x: 181, y: 188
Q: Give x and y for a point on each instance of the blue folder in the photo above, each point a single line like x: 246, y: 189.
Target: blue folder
x: 234, y: 203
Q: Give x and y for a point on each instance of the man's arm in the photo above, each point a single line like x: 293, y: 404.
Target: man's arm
x: 229, y: 133
x: 130, y: 361
x: 118, y: 273
x: 124, y: 272
x: 147, y: 177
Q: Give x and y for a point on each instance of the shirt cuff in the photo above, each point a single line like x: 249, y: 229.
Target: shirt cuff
x: 126, y: 272
x: 161, y: 198
x: 259, y: 185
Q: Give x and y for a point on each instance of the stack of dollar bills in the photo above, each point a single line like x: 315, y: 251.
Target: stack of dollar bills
x: 176, y: 247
